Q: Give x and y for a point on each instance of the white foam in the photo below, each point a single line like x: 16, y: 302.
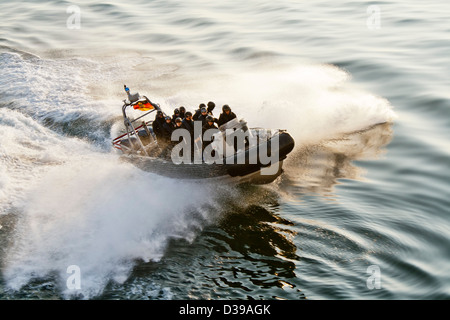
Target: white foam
x: 27, y: 149
x: 54, y: 89
x: 313, y: 102
x: 100, y: 215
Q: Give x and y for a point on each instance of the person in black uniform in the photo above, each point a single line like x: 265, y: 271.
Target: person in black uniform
x: 167, y: 129
x: 158, y: 124
x: 182, y: 112
x: 176, y: 114
x: 198, y: 112
x: 204, y: 114
x: 178, y: 122
x: 178, y: 126
x: 164, y: 141
x: 188, y: 123
x: 210, y: 108
x: 226, y: 115
x: 209, y: 124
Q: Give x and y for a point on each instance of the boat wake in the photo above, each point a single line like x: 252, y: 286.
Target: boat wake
x: 101, y: 216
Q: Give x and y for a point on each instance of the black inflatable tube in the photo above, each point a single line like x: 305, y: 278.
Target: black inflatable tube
x: 286, y: 145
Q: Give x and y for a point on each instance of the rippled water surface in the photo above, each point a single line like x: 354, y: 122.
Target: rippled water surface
x: 360, y: 212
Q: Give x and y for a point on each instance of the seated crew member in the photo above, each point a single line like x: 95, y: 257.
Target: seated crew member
x: 210, y: 108
x: 164, y: 141
x: 182, y: 112
x: 198, y: 111
x: 167, y: 129
x: 209, y: 124
x: 157, y: 124
x: 203, y: 116
x: 188, y: 123
x: 178, y: 122
x: 226, y: 115
x: 176, y: 114
x: 178, y: 125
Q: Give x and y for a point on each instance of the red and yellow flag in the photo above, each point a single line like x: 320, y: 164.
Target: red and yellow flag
x: 143, y: 106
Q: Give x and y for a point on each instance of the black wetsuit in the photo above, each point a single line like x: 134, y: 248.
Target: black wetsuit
x: 158, y: 126
x: 206, y: 127
x: 167, y: 129
x: 202, y: 118
x: 224, y: 118
x: 197, y: 114
x: 175, y: 116
x: 211, y: 106
x: 188, y: 125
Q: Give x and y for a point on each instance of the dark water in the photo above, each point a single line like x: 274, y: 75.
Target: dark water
x: 362, y: 87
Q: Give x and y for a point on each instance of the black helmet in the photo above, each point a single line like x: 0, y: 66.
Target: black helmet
x: 176, y: 111
x: 201, y: 106
x: 178, y: 120
x: 182, y: 109
x: 209, y: 119
x: 203, y: 110
x: 159, y: 113
x: 188, y: 114
x: 211, y: 106
x: 226, y: 108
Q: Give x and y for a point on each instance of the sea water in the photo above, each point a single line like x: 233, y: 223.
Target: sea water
x: 360, y: 212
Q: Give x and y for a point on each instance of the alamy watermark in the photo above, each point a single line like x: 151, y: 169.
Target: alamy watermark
x: 373, y: 21
x: 232, y: 146
x: 73, y: 22
x: 74, y: 280
x: 374, y: 280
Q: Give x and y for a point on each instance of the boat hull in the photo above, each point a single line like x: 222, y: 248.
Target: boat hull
x: 232, y: 170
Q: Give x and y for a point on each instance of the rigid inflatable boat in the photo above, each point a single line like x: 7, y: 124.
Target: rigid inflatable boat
x: 235, y: 153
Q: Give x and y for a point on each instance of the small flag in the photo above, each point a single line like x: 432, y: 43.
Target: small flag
x: 143, y: 106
